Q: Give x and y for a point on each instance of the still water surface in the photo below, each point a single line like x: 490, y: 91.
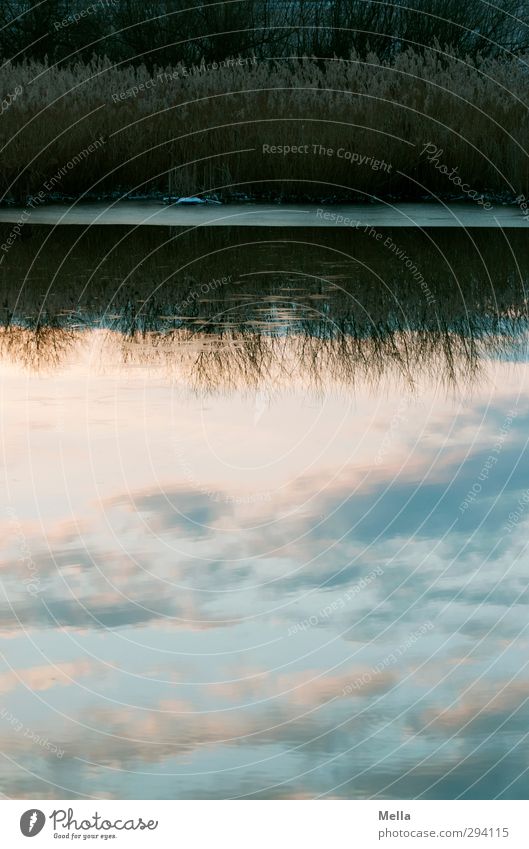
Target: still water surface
x: 264, y: 516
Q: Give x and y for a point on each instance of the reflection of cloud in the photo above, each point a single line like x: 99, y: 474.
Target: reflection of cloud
x: 324, y: 740
x: 325, y: 688
x: 46, y: 677
x: 172, y: 568
x: 469, y: 774
x: 309, y: 688
x: 481, y: 702
x: 175, y: 729
x: 181, y: 510
x: 115, y: 612
x: 177, y: 571
x: 293, y: 710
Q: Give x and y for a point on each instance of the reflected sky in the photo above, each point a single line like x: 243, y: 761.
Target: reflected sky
x: 270, y: 590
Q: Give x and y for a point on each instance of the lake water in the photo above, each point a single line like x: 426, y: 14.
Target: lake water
x: 426, y: 214
x: 264, y: 512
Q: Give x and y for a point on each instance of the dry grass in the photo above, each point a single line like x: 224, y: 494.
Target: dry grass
x: 205, y: 132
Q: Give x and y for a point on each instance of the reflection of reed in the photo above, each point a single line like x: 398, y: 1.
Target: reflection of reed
x: 40, y: 345
x: 342, y: 310
x: 244, y: 360
x: 254, y: 361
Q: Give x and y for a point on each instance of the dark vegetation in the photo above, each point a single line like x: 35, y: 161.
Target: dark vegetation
x: 164, y: 32
x: 183, y: 96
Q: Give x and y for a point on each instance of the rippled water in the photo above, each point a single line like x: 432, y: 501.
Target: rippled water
x: 264, y: 515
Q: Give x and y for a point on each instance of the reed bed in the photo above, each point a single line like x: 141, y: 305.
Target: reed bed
x: 94, y: 129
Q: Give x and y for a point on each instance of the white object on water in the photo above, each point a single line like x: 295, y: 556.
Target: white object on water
x: 191, y: 200
x: 194, y: 200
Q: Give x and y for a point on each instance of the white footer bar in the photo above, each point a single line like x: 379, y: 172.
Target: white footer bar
x: 310, y: 824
